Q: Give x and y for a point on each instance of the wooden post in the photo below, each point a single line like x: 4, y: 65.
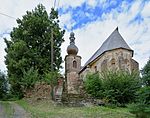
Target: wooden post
x: 52, y: 51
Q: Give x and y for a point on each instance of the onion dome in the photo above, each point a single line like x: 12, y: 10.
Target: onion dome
x: 72, y: 48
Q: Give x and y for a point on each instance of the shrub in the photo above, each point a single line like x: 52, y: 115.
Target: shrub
x: 52, y: 79
x: 120, y: 87
x: 93, y: 85
x: 146, y: 74
x: 20, y: 85
x: 144, y: 95
x: 29, y: 79
x: 117, y: 87
x: 142, y: 108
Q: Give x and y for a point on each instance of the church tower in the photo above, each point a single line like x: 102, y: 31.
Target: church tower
x: 72, y: 66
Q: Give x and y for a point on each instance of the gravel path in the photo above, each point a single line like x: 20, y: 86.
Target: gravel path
x: 18, y: 112
x: 2, y: 114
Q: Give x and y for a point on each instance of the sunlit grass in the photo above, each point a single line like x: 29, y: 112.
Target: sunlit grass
x: 46, y: 109
x: 7, y: 109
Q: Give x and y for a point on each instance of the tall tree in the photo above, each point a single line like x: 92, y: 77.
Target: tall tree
x: 146, y: 73
x: 30, y: 44
x: 3, y: 85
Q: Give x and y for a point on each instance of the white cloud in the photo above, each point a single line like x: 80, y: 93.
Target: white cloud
x: 2, y: 53
x: 92, y: 3
x: 145, y: 11
x: 90, y: 36
x: 15, y: 9
x: 70, y: 3
x: 66, y: 20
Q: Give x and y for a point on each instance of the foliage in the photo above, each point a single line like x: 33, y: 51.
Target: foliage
x: 117, y: 87
x: 20, y: 85
x: 120, y: 87
x: 30, y: 47
x: 52, y: 79
x: 141, y: 110
x: 3, y: 85
x: 29, y: 78
x: 146, y: 74
x: 142, y: 106
x: 144, y: 95
x: 93, y: 85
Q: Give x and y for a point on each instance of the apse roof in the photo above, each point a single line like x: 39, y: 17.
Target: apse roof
x: 114, y: 41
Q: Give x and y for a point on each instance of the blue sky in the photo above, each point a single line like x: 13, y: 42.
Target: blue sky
x: 84, y: 13
x: 91, y: 20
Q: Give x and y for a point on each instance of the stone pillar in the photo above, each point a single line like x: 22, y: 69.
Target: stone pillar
x: 72, y: 67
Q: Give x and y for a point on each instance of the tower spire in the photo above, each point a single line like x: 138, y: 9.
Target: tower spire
x: 72, y: 48
x: 72, y: 38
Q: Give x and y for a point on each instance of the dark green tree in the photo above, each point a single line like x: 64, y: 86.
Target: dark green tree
x: 30, y: 45
x: 3, y: 85
x: 146, y: 74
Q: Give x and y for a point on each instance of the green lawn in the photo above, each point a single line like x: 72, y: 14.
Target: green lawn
x: 8, y: 111
x: 47, y: 109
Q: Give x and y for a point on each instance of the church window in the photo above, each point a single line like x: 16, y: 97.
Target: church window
x: 122, y: 63
x: 74, y: 64
x: 126, y: 61
x: 104, y: 65
x: 95, y: 68
x: 113, y: 61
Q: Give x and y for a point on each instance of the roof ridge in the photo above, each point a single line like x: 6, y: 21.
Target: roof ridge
x: 114, y: 41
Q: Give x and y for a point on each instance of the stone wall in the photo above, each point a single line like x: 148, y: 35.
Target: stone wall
x: 135, y: 65
x: 40, y: 91
x: 117, y: 59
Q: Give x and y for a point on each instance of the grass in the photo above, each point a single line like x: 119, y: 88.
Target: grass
x: 7, y: 108
x: 47, y: 109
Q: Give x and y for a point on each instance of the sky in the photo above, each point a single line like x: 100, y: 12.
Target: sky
x: 92, y: 21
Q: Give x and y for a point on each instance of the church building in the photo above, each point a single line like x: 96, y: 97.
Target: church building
x: 114, y: 54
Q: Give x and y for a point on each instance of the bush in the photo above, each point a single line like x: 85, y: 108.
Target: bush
x: 52, y: 79
x: 93, y: 85
x: 146, y: 74
x: 142, y: 108
x: 144, y: 95
x: 120, y: 87
x: 117, y: 87
x: 29, y: 79
x: 20, y: 85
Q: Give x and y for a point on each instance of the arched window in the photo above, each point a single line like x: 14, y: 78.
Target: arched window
x: 121, y: 62
x: 74, y: 64
x: 126, y: 61
x: 104, y: 65
x: 113, y: 61
x: 95, y: 67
